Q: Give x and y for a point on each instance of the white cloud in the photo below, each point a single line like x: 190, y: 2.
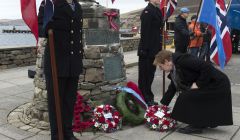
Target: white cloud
x: 10, y: 9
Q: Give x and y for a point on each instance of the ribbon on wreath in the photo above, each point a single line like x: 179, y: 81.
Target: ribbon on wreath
x: 111, y: 15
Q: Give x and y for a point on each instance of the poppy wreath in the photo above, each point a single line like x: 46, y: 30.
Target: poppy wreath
x: 132, y: 111
x: 106, y: 118
x: 80, y: 108
x: 158, y: 118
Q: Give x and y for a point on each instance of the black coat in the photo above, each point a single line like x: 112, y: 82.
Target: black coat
x: 67, y: 29
x: 210, y: 104
x: 151, y: 30
x: 181, y: 35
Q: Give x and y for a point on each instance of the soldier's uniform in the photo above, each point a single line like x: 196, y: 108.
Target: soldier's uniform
x: 67, y: 28
x: 150, y: 44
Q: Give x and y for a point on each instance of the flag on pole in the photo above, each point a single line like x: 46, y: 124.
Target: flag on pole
x: 48, y: 12
x: 29, y: 15
x: 215, y: 15
x: 233, y: 14
x: 170, y: 7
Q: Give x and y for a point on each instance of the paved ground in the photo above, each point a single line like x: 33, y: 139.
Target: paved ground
x: 16, y: 89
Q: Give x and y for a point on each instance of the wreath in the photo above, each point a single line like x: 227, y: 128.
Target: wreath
x: 158, y: 118
x: 106, y: 118
x: 131, y: 110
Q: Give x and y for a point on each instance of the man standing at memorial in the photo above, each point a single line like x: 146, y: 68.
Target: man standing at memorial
x: 181, y: 32
x: 66, y: 24
x: 150, y: 44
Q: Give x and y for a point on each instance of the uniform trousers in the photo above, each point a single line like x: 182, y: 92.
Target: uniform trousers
x: 67, y: 93
x: 146, y: 71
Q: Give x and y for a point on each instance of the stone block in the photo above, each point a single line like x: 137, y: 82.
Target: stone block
x: 90, y: 63
x: 92, y: 53
x: 94, y: 75
x: 87, y: 85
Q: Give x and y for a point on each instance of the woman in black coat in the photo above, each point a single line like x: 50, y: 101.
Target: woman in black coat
x: 204, y: 92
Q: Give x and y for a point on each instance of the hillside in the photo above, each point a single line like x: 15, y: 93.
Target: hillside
x: 7, y: 22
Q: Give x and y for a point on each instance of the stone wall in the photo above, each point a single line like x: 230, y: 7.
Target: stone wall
x: 129, y: 44
x: 26, y: 56
x: 17, y: 57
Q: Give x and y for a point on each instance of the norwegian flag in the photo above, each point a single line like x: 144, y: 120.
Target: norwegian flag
x: 225, y: 34
x: 170, y: 7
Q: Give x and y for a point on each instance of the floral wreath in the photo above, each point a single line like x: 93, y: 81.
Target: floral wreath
x: 158, y: 118
x: 107, y: 118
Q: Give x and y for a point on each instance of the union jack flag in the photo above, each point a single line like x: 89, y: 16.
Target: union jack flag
x: 225, y: 34
x: 170, y: 7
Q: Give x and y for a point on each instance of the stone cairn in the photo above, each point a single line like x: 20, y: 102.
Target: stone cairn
x: 103, y: 64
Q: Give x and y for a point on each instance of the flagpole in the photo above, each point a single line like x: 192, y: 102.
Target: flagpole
x: 163, y: 41
x: 55, y: 86
x: 197, y: 15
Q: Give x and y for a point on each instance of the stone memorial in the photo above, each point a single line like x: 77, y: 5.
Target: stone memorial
x: 103, y: 64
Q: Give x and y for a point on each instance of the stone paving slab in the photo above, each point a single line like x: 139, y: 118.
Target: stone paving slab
x: 179, y: 136
x: 220, y: 133
x: 2, y: 137
x: 4, y: 84
x: 15, y: 90
x: 236, y: 120
x: 13, y: 132
x: 39, y: 137
x: 88, y: 135
x: 28, y: 95
x: 137, y: 133
x: 237, y: 135
x: 20, y: 80
x: 12, y: 102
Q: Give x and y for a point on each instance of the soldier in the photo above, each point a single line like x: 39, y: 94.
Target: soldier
x: 181, y: 32
x: 150, y: 44
x: 66, y: 24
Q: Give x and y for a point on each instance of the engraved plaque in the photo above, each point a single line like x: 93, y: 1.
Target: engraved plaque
x: 98, y: 37
x: 112, y: 68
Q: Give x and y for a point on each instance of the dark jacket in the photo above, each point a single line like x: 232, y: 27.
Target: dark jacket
x: 151, y: 30
x: 40, y: 20
x: 203, y: 106
x: 181, y: 35
x: 67, y: 29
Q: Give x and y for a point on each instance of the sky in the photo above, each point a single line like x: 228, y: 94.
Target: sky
x: 10, y: 9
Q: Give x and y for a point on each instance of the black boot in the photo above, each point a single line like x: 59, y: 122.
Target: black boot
x: 190, y: 129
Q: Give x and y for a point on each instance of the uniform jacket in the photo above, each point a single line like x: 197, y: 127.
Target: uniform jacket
x: 197, y: 40
x: 181, y: 35
x: 151, y: 30
x: 67, y: 29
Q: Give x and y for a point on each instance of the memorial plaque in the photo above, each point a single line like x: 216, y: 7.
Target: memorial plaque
x: 112, y: 68
x: 99, y: 37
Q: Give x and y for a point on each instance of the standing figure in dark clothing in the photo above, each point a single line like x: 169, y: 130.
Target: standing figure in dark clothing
x: 235, y: 36
x: 66, y: 24
x: 181, y: 31
x: 205, y: 49
x: 150, y: 44
x: 204, y: 98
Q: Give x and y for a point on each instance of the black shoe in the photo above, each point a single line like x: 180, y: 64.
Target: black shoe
x: 190, y: 130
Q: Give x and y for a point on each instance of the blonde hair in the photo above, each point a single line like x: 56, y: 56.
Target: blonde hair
x: 162, y: 56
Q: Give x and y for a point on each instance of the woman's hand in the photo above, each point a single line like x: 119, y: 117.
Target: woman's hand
x: 194, y: 86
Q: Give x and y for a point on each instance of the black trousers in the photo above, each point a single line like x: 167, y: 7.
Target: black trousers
x: 67, y: 93
x: 146, y: 71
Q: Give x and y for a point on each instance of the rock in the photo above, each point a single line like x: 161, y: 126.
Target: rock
x: 34, y: 130
x: 92, y: 53
x: 94, y: 75
x: 87, y: 86
x: 26, y: 127
x: 45, y: 117
x: 44, y: 132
